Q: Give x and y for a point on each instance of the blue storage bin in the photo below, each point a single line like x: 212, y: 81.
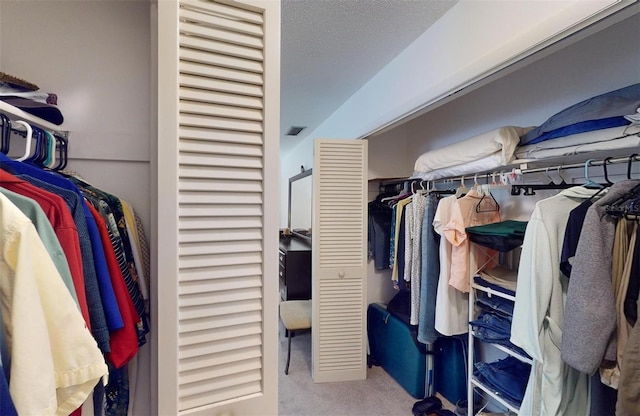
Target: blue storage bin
x: 393, y: 346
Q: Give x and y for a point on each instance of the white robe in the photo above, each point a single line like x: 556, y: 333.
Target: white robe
x: 554, y: 388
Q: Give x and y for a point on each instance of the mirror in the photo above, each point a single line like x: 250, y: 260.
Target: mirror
x: 301, y: 204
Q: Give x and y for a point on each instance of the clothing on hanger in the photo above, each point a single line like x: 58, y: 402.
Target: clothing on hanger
x: 464, y: 256
x: 452, y: 305
x: 553, y: 387
x: 51, y: 347
x: 429, y: 273
x: 590, y: 308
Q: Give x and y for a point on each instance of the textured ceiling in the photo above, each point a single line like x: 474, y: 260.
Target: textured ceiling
x: 330, y: 48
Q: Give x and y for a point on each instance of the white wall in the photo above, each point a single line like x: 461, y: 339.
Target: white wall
x: 388, y: 153
x: 95, y: 56
x: 605, y: 61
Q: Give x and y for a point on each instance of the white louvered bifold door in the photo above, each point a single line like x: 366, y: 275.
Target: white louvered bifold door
x: 339, y: 260
x: 218, y: 118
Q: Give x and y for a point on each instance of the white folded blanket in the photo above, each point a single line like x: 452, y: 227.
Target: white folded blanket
x: 498, y: 144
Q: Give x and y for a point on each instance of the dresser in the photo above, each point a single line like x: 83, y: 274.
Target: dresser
x: 295, y: 269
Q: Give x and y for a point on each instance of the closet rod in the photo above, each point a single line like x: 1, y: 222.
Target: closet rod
x: 611, y: 161
x: 396, y: 185
x: 592, y: 163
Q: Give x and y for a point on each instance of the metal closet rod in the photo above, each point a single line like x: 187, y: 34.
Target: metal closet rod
x: 397, y: 185
x: 592, y: 163
x: 610, y: 161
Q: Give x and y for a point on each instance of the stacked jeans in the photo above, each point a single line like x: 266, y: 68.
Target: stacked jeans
x: 507, y: 378
x: 493, y: 325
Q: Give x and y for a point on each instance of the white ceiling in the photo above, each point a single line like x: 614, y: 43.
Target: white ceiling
x: 331, y: 48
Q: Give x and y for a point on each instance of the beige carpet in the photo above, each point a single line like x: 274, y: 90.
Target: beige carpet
x: 378, y: 395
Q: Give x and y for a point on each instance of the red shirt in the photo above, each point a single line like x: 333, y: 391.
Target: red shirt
x: 59, y: 216
x: 123, y: 341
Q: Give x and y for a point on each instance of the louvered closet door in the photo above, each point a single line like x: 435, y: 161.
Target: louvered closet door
x: 218, y: 118
x: 339, y: 260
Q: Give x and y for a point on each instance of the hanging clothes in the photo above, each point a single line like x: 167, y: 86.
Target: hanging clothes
x: 111, y: 209
x: 452, y: 305
x: 55, y: 362
x: 124, y: 342
x: 633, y: 291
x: 553, y: 387
x: 465, y: 257
x: 399, y: 248
x: 58, y: 214
x: 136, y: 244
x: 91, y: 265
x: 7, y: 408
x: 379, y: 220
x: 629, y: 391
x: 590, y: 314
x: 623, y: 250
x: 46, y: 233
x: 416, y: 211
x: 572, y: 235
x: 429, y: 273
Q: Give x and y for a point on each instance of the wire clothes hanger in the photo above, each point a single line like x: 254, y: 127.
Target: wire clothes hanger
x: 590, y: 182
x: 488, y: 202
x: 629, y: 162
x: 628, y: 205
x: 5, y: 133
x: 603, y: 187
x: 27, y: 150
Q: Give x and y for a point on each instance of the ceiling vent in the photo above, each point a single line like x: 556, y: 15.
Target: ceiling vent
x: 295, y: 130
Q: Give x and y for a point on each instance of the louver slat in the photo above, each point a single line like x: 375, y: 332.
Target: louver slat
x: 201, y: 31
x: 216, y: 97
x: 233, y: 13
x: 230, y: 62
x: 220, y: 48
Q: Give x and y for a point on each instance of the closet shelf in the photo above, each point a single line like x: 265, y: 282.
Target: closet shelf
x: 472, y: 381
x: 494, y: 395
x: 10, y: 110
x: 492, y: 292
x: 510, y: 352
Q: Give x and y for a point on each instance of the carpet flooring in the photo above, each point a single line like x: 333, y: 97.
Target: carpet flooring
x: 378, y: 395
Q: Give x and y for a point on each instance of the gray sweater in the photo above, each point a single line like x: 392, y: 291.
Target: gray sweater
x: 590, y: 312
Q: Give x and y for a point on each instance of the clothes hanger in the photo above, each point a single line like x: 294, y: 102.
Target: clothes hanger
x: 546, y: 172
x: 462, y: 189
x: 605, y: 188
x: 619, y: 208
x: 590, y: 183
x: 629, y: 162
x: 51, y: 149
x: 27, y: 151
x: 62, y: 156
x: 5, y: 133
x: 604, y: 168
x: 562, y: 181
x: 530, y: 189
x: 493, y: 205
x: 40, y: 147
